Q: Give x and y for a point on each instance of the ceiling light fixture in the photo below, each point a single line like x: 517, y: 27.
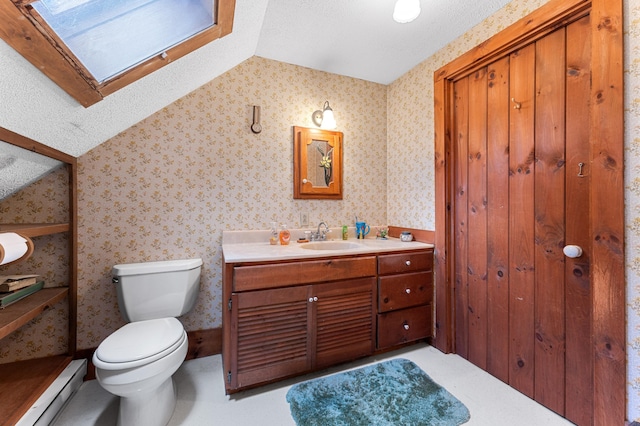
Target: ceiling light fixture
x: 324, y: 119
x: 406, y: 11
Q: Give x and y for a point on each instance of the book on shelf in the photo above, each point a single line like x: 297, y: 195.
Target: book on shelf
x: 7, y: 299
x: 16, y: 282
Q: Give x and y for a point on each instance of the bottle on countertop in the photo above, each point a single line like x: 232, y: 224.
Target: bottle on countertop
x: 285, y: 235
x: 345, y: 232
x: 273, y: 238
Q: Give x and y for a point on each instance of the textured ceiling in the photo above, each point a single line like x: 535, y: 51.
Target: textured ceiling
x: 359, y: 38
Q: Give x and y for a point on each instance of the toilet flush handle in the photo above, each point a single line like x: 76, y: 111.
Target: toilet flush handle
x: 115, y: 280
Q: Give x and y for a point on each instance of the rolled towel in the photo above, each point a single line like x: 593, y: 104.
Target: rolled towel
x: 14, y: 247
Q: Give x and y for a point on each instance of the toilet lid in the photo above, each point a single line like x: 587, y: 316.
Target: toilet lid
x: 140, y: 339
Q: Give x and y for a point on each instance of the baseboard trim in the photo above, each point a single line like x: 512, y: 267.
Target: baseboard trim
x: 201, y: 343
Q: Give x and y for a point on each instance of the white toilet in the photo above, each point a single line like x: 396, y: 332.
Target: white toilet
x: 138, y: 360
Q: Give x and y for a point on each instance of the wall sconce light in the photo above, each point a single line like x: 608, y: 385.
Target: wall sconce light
x: 406, y: 11
x: 324, y: 119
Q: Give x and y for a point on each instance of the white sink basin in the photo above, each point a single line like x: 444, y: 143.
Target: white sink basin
x: 331, y: 245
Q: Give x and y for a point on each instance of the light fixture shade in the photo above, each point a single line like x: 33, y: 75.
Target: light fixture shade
x: 328, y: 120
x: 406, y: 11
x: 324, y: 119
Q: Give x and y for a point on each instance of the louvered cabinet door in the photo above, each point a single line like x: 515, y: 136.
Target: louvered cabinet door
x: 271, y: 338
x: 344, y: 320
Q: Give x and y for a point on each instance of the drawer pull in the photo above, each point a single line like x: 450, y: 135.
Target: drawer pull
x: 408, y: 263
x: 408, y: 290
x: 406, y: 326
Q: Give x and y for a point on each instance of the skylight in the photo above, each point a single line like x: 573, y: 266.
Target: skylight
x: 109, y: 37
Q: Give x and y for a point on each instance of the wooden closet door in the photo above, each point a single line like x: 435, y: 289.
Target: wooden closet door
x: 521, y: 193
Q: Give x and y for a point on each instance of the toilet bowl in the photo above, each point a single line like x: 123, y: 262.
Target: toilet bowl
x: 137, y: 361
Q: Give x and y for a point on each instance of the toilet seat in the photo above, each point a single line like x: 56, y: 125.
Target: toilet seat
x: 139, y: 343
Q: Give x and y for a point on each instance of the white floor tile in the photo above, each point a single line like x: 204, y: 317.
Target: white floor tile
x: 201, y: 398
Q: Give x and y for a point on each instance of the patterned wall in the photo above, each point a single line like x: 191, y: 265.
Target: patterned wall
x: 167, y: 187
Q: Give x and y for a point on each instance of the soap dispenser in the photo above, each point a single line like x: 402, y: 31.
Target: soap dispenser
x: 285, y: 235
x: 273, y: 238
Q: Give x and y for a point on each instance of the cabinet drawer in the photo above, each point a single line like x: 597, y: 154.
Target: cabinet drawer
x: 259, y: 277
x: 406, y: 325
x: 405, y: 262
x: 403, y: 291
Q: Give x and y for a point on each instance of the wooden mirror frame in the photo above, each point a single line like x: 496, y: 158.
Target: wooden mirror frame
x: 303, y: 187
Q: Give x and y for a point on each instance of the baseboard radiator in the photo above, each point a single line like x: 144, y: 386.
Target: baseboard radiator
x: 51, y: 402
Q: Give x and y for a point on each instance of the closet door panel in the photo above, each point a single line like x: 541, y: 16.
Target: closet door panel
x: 498, y: 107
x: 579, y: 383
x: 549, y: 213
x: 477, y: 219
x: 461, y: 143
x: 521, y: 220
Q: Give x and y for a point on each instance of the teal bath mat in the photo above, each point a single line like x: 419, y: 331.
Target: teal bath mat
x: 395, y: 392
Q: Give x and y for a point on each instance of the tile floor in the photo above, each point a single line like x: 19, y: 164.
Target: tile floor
x: 201, y: 398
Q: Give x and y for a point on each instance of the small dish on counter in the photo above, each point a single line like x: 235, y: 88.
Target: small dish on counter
x: 406, y: 236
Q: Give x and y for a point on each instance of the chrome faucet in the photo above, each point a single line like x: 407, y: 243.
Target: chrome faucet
x: 320, y: 235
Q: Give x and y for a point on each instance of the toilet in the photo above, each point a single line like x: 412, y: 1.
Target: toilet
x: 138, y: 360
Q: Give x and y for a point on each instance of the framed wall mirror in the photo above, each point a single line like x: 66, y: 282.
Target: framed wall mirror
x: 317, y: 164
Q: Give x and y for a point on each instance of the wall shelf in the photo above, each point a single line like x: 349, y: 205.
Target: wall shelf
x: 23, y: 382
x: 21, y: 312
x: 34, y: 229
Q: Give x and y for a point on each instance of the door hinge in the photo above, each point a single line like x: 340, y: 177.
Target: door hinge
x: 229, y: 377
x: 229, y: 304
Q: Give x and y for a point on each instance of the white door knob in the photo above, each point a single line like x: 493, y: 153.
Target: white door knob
x: 572, y: 251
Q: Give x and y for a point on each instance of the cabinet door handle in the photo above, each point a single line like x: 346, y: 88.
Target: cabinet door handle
x: 313, y: 299
x: 407, y: 290
x: 408, y: 263
x: 406, y: 326
x: 310, y: 299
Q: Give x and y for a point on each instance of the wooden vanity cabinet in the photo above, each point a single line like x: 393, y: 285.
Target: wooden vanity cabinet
x: 405, y: 298
x: 319, y: 317
x: 291, y: 317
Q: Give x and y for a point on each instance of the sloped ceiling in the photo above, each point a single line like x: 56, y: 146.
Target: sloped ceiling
x: 356, y: 38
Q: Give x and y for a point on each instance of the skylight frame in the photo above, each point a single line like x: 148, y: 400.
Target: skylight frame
x: 45, y: 50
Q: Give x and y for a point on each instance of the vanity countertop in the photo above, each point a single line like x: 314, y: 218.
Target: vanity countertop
x: 253, y: 246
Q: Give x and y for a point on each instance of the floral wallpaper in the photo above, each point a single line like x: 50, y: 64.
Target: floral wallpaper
x: 168, y: 186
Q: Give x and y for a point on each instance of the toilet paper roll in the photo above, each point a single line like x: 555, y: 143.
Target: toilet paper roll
x: 14, y: 247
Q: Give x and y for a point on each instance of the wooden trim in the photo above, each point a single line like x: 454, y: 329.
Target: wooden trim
x: 45, y: 52
x: 34, y: 229
x: 31, y: 145
x: 202, y: 343
x: 607, y: 212
x: 444, y: 324
x: 73, y: 256
x: 535, y: 25
x: 23, y: 382
x: 19, y: 33
x: 422, y: 235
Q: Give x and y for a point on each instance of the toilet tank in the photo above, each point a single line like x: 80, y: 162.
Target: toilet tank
x: 151, y: 290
